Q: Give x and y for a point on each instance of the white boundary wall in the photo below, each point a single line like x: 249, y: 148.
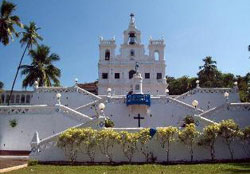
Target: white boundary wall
x: 48, y: 151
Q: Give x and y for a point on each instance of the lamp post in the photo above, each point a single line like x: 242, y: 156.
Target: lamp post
x: 101, y: 108
x: 58, y: 97
x: 36, y: 85
x: 109, y: 91
x: 197, y: 84
x: 226, y: 95
x: 167, y: 92
x: 195, y: 104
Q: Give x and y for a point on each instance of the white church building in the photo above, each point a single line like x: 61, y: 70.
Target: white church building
x: 132, y: 87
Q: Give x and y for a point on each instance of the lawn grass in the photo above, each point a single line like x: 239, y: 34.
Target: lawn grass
x: 227, y: 168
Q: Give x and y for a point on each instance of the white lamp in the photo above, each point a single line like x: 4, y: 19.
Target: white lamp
x: 197, y: 83
x: 195, y: 103
x: 226, y: 95
x: 101, y: 107
x: 58, y: 97
x: 109, y: 91
x: 167, y: 91
x: 36, y: 84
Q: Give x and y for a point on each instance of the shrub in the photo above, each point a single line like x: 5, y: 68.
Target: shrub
x: 188, y: 136
x: 106, y: 139
x: 32, y: 162
x: 88, y: 142
x: 109, y: 123
x: 208, y: 138
x: 165, y: 136
x: 13, y: 123
x: 69, y: 141
x: 229, y: 131
x: 245, y: 137
x: 188, y: 120
x: 128, y: 142
x: 143, y: 139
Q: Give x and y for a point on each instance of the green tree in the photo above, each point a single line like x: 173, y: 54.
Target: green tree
x: 88, y: 143
x: 229, y: 131
x: 188, y: 137
x: 208, y: 74
x: 143, y: 140
x: 30, y: 37
x: 1, y: 85
x: 245, y: 137
x: 41, y: 68
x: 106, y: 139
x: 180, y: 85
x: 1, y: 90
x: 165, y: 136
x: 69, y: 142
x: 129, y: 144
x: 7, y: 22
x: 209, y: 137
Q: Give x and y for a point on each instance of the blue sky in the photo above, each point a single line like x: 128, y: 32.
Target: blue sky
x: 192, y: 30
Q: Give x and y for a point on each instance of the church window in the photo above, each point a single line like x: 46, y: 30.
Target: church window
x: 107, y: 55
x: 147, y: 75
x: 157, y: 55
x: 22, y: 98
x: 2, y: 98
x: 12, y: 99
x: 27, y: 98
x: 132, y: 53
x: 17, y: 98
x: 159, y: 75
x: 104, y: 75
x: 117, y: 75
x: 7, y: 98
x: 131, y: 73
x: 132, y: 38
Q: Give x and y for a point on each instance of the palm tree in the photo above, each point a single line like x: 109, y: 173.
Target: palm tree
x: 7, y: 22
x: 41, y: 68
x: 208, y: 72
x: 30, y: 37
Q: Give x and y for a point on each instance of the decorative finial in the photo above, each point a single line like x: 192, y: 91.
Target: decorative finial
x: 132, y: 18
x: 136, y: 66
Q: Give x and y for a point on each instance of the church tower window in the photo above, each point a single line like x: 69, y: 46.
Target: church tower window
x: 107, y: 55
x: 131, y: 73
x: 104, y: 75
x: 117, y: 75
x: 147, y: 75
x: 157, y: 55
x: 159, y: 75
x: 132, y: 38
x: 132, y: 53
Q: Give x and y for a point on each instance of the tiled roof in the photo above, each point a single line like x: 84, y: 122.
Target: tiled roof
x: 91, y: 87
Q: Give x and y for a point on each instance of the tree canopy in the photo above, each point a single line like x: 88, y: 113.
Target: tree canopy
x: 41, y: 68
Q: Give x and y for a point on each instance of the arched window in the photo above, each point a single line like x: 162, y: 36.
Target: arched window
x: 132, y: 53
x: 22, y: 98
x: 131, y: 38
x: 2, y: 98
x: 18, y: 99
x: 157, y: 55
x: 131, y: 73
x: 107, y: 55
x: 27, y: 98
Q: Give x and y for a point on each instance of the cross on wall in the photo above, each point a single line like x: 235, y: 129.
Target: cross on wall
x: 139, y: 118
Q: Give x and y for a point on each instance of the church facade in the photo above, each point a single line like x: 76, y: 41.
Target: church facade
x: 132, y: 92
x: 116, y: 71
